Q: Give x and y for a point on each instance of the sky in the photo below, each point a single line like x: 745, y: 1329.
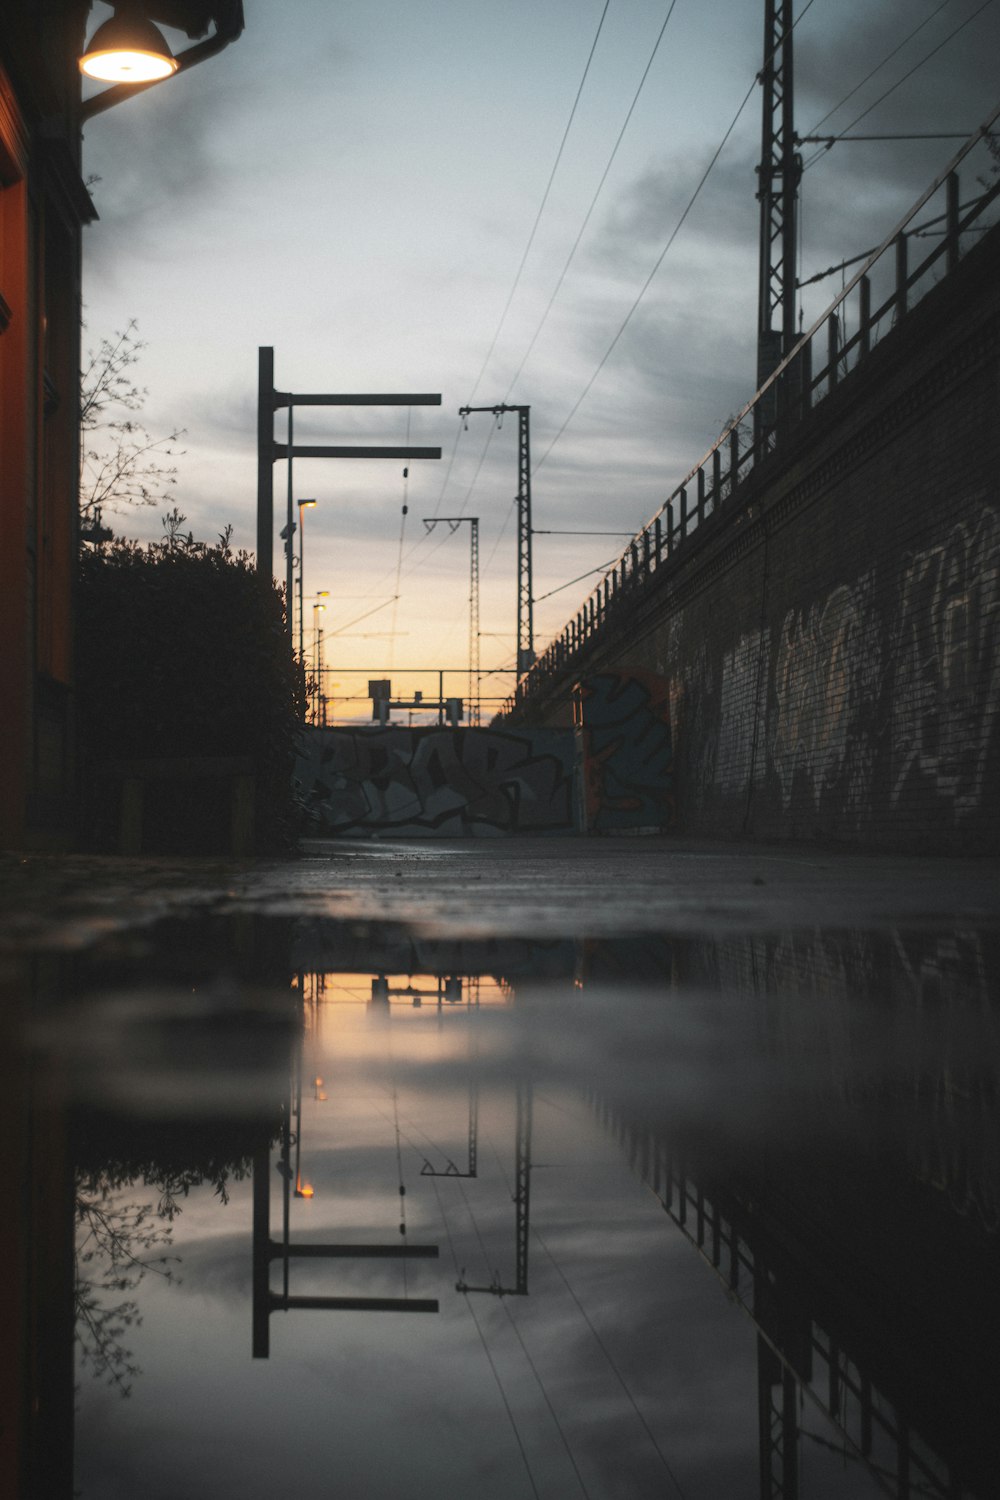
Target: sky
x: 428, y: 198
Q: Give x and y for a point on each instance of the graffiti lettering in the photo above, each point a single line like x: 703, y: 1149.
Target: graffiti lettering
x: 442, y: 782
x: 947, y: 653
x: 826, y: 676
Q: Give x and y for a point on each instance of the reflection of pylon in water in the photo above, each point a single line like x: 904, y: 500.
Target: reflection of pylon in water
x: 522, y: 1201
x: 472, y: 1168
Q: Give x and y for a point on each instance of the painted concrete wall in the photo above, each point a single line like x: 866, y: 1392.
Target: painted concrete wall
x: 613, y: 774
x: 437, y: 782
x: 832, y: 637
x: 625, y: 755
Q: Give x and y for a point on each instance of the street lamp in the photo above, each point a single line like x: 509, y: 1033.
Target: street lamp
x: 303, y: 505
x: 128, y: 49
x: 130, y: 53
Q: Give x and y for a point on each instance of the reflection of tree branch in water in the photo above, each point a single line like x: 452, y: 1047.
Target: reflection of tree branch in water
x: 117, y: 1239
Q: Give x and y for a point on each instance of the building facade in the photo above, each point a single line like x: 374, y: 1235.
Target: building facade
x: 43, y: 209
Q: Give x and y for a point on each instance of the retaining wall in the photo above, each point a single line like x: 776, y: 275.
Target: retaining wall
x: 832, y: 636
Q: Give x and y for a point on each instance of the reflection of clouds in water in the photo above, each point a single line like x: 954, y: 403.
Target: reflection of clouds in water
x: 384, y: 1404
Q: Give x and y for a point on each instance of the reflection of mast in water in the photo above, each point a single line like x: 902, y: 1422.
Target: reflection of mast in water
x: 522, y: 1197
x: 451, y: 1170
x: 266, y: 1250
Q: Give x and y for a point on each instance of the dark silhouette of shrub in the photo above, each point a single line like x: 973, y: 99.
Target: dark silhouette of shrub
x: 181, y: 654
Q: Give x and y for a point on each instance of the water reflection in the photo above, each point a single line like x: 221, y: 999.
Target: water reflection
x: 679, y: 1217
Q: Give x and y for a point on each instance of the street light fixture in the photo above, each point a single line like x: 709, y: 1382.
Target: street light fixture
x: 128, y: 49
x: 129, y: 52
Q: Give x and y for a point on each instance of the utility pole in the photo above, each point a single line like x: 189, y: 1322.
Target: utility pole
x: 777, y: 191
x: 525, y: 603
x: 453, y: 523
x: 269, y: 401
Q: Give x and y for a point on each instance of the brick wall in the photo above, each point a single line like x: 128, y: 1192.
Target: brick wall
x: 832, y: 637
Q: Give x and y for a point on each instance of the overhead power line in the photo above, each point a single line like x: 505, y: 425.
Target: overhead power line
x: 589, y: 574
x: 900, y: 81
x: 662, y: 255
x: 879, y: 66
x: 541, y: 207
x: 593, y: 203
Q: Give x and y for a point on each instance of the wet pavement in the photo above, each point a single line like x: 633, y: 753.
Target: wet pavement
x: 613, y: 1168
x: 505, y: 887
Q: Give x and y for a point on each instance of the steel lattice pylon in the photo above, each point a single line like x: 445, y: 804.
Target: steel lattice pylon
x: 475, y: 675
x: 778, y: 183
x: 525, y: 600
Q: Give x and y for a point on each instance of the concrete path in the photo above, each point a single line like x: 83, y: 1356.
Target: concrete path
x: 506, y: 887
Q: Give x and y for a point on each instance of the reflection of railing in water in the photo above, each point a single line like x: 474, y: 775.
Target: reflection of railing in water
x: 743, y: 1245
x: 904, y: 1022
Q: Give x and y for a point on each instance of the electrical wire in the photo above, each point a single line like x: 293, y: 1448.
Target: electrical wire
x: 586, y: 1318
x: 545, y: 1397
x: 482, y: 459
x: 892, y: 89
x: 506, y: 522
x: 541, y: 207
x: 399, y: 555
x: 879, y: 66
x: 601, y: 567
x: 663, y: 253
x: 611, y: 1363
x: 459, y: 1274
x: 593, y: 204
x: 451, y: 460
x: 646, y: 284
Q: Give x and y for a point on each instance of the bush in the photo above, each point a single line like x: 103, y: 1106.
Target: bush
x: 181, y: 653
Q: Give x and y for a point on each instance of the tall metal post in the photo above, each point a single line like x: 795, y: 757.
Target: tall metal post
x: 475, y: 678
x: 289, y: 537
x: 269, y: 452
x: 265, y: 463
x: 777, y: 191
x: 453, y: 523
x: 525, y: 599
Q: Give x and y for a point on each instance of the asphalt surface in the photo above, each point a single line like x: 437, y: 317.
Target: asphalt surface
x: 525, y: 887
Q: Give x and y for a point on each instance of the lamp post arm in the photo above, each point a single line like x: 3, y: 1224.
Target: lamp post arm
x: 227, y: 29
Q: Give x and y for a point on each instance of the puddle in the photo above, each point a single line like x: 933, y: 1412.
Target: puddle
x: 362, y: 1213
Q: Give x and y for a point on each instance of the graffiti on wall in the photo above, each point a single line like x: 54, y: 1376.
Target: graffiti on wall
x: 827, y: 676
x: 946, y: 648
x: 742, y: 708
x: 879, y: 690
x: 623, y: 719
x: 435, y: 781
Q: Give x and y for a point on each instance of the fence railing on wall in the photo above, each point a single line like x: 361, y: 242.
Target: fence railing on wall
x: 877, y: 296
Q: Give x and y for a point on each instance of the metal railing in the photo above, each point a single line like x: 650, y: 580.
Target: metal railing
x: 880, y: 293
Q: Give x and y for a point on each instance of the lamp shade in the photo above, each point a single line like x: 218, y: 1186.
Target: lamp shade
x: 128, y: 49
